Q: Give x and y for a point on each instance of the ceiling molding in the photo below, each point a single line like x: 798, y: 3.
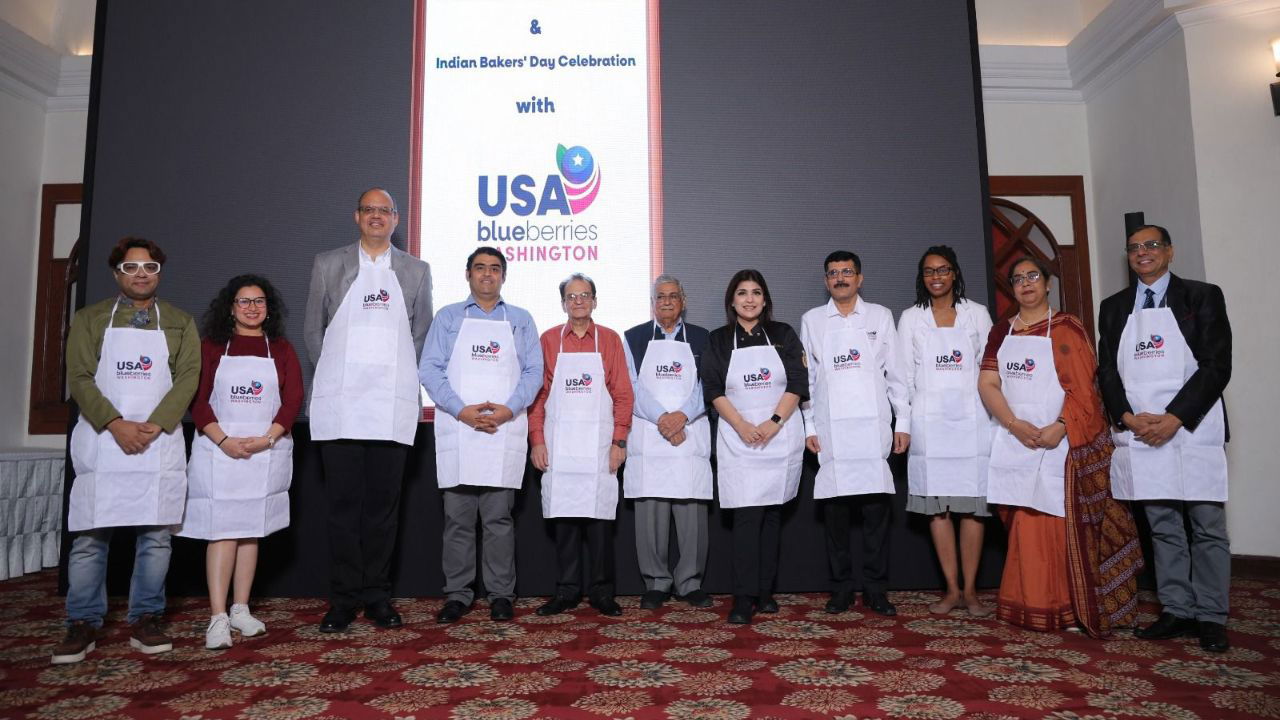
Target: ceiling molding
x: 35, y: 72
x: 28, y: 68
x: 1120, y: 37
x: 1026, y: 73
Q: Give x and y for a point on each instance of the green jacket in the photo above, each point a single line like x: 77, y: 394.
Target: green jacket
x: 84, y: 347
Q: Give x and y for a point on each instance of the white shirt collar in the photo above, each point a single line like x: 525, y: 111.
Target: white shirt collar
x: 858, y: 306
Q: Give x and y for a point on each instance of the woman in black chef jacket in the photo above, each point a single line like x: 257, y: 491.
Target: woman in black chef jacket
x: 753, y: 375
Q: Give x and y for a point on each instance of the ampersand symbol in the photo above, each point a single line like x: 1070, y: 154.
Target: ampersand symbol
x: 534, y: 29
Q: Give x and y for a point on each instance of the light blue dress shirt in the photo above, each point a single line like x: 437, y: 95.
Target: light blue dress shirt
x: 433, y: 368
x: 646, y: 405
x: 1159, y: 287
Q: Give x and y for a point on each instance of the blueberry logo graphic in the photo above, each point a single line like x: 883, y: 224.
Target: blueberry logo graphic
x: 676, y: 367
x: 581, y: 176
x: 586, y: 379
x: 257, y: 387
x: 1031, y: 365
x: 854, y: 355
x: 494, y: 347
x: 764, y: 373
x: 1157, y: 341
x: 145, y: 362
x: 956, y: 356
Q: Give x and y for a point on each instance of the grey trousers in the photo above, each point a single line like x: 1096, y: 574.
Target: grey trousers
x: 653, y: 531
x: 1191, y: 582
x: 492, y: 506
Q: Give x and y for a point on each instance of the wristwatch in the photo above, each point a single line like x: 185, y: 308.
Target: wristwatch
x: 271, y: 441
x: 776, y: 418
x: 621, y: 444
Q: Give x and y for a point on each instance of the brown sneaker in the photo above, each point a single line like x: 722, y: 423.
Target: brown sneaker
x: 147, y: 636
x: 79, y: 642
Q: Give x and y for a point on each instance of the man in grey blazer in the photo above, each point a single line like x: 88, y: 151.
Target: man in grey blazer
x: 368, y: 312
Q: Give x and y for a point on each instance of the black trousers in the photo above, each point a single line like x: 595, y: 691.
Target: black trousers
x: 599, y: 537
x: 876, y: 513
x: 362, y: 480
x: 757, y: 533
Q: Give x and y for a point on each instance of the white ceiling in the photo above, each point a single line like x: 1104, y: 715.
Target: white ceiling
x: 64, y: 25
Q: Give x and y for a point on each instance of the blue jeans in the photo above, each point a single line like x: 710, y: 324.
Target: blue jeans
x: 87, y: 574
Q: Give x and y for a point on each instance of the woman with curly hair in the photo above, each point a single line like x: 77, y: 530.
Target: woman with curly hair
x: 242, y: 461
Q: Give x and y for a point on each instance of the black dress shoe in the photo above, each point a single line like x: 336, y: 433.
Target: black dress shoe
x: 500, y: 609
x: 743, y: 608
x: 766, y: 604
x: 698, y: 598
x: 383, y: 614
x: 337, y: 620
x: 557, y: 605
x: 839, y: 602
x: 653, y: 599
x: 607, y: 606
x: 452, y: 611
x: 1168, y: 626
x: 1213, y: 636
x: 879, y: 603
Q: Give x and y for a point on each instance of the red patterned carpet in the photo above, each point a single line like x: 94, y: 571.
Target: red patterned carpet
x: 673, y: 663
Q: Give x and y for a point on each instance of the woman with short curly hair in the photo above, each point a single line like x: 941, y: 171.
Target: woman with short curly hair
x: 242, y: 462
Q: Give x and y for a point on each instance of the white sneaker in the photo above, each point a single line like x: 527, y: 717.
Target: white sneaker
x: 246, y: 624
x: 218, y: 636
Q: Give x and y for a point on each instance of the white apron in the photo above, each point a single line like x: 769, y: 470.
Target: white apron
x: 1018, y: 475
x: 579, y: 432
x: 366, y: 381
x: 950, y: 429
x: 484, y: 367
x: 246, y: 498
x: 854, y: 439
x: 656, y: 468
x: 1155, y: 361
x: 113, y: 489
x: 769, y: 475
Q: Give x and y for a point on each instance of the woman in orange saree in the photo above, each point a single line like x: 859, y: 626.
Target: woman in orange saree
x: 1080, y: 568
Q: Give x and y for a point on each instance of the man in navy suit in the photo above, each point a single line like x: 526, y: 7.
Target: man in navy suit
x: 668, y: 469
x: 1164, y: 358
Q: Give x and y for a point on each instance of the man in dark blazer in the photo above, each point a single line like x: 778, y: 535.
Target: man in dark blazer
x: 669, y: 412
x: 1164, y: 358
x: 368, y: 312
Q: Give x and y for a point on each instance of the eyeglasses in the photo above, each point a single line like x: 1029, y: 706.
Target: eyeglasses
x: 245, y: 302
x: 936, y: 272
x: 376, y: 210
x: 131, y: 268
x: 1033, y: 276
x: 1150, y: 246
x: 669, y: 297
x: 575, y: 297
x: 842, y: 272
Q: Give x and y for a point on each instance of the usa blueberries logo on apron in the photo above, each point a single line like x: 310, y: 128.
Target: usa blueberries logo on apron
x: 670, y: 371
x: 1152, y: 348
x: 757, y: 380
x: 1020, y: 370
x: 954, y: 361
x: 486, y: 353
x: 847, y: 361
x: 377, y: 301
x: 578, y: 384
x: 134, y: 370
x: 250, y: 393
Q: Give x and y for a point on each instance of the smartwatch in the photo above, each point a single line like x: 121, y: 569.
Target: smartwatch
x: 776, y: 418
x: 621, y: 444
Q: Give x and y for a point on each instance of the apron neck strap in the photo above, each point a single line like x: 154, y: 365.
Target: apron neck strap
x: 265, y: 340
x: 567, y: 326
x: 683, y: 331
x: 155, y: 303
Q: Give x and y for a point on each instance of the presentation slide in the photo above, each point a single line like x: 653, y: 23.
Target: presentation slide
x: 540, y: 138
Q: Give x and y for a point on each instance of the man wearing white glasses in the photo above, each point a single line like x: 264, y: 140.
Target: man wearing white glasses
x: 133, y: 363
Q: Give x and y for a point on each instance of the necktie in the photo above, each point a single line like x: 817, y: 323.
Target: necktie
x: 1150, y: 302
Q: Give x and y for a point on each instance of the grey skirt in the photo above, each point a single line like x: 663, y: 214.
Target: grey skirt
x: 938, y: 504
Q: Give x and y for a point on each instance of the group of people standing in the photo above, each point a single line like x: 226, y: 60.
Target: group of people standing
x: 1020, y: 426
